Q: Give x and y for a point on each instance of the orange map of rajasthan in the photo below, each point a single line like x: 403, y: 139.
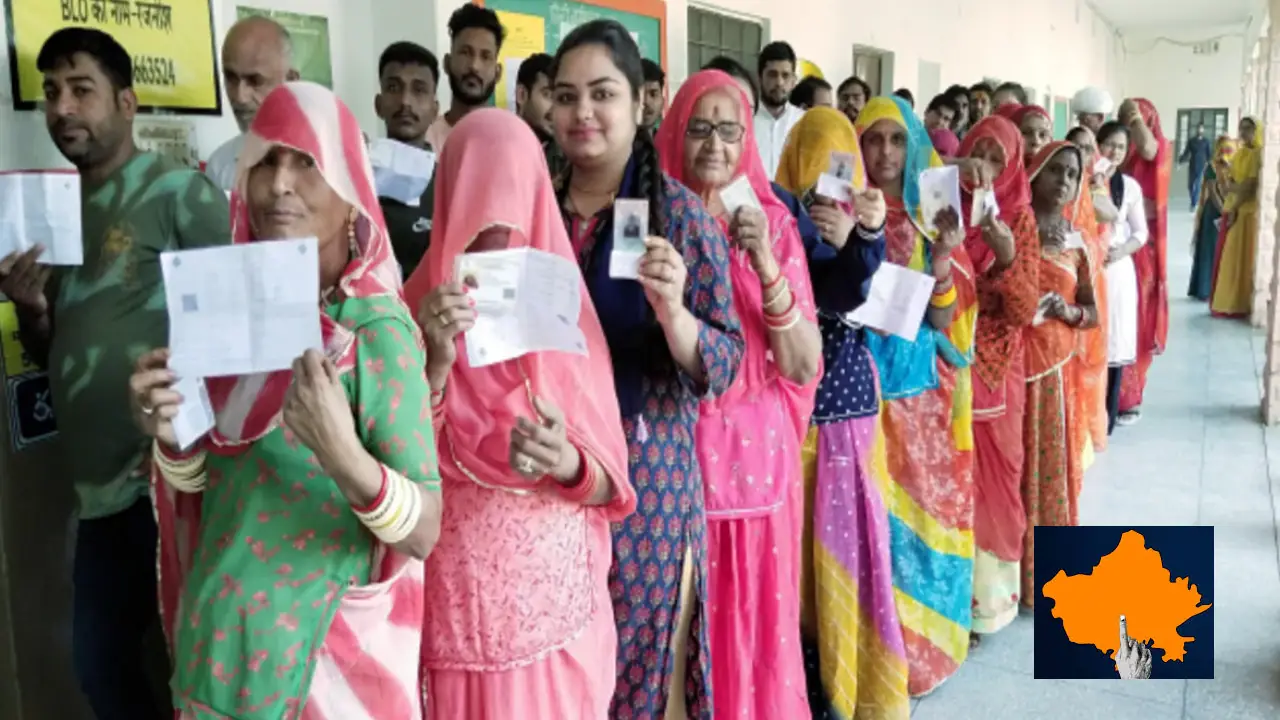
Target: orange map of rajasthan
x: 1130, y: 581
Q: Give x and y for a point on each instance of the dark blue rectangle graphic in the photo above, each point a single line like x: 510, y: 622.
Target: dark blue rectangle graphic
x: 1160, y: 578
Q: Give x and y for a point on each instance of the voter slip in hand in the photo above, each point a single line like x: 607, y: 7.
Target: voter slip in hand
x: 738, y: 194
x: 195, y: 414
x: 401, y: 172
x: 897, y: 301
x: 242, y: 309
x: 42, y: 208
x: 526, y: 301
x: 939, y: 189
x: 630, y: 229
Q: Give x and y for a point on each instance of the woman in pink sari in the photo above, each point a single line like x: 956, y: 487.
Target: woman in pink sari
x: 532, y: 458
x: 749, y: 438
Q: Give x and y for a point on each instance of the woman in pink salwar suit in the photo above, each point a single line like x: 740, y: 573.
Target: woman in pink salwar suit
x: 519, y: 621
x: 749, y: 439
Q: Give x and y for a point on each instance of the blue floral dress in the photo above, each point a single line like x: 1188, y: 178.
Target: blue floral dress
x: 660, y: 408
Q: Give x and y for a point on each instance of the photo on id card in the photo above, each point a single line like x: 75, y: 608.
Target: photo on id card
x: 492, y: 281
x: 630, y: 228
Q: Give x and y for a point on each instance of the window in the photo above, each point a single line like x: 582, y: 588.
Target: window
x: 712, y: 33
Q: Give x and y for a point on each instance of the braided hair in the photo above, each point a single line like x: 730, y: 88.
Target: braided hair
x: 648, y: 182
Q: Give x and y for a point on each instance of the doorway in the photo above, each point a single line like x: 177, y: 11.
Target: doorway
x: 1217, y: 121
x: 875, y: 67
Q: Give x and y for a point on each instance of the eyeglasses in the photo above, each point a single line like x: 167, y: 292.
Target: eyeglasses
x: 730, y: 132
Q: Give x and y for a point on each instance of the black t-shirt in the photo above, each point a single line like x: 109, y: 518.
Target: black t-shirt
x: 410, y: 227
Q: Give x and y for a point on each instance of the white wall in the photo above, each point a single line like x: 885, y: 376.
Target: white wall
x: 1172, y: 77
x: 1056, y: 46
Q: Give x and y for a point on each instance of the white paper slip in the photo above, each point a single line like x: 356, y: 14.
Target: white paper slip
x: 195, y: 414
x: 526, y: 301
x: 242, y: 309
x: 833, y: 188
x: 1074, y: 241
x: 630, y: 228
x: 42, y: 208
x: 983, y: 206
x: 738, y: 194
x: 939, y: 189
x: 401, y: 172
x: 897, y: 301
x: 1101, y: 166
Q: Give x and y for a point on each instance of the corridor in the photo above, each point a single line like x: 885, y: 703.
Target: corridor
x: 1199, y: 456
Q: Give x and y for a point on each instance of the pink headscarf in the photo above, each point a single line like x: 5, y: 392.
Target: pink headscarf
x: 309, y: 118
x: 482, y: 404
x: 739, y: 428
x: 945, y: 142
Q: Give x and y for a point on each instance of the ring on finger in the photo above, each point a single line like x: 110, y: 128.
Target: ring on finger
x: 146, y: 409
x: 524, y: 464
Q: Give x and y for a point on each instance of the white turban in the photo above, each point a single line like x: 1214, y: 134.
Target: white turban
x: 1092, y: 101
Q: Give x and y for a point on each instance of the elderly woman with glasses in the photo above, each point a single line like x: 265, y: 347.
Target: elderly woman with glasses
x: 748, y: 439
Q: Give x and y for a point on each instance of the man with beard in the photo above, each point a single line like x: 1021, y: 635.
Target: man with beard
x: 257, y: 56
x: 776, y: 116
x: 653, y: 97
x: 406, y: 102
x: 87, y: 325
x: 475, y: 37
x: 852, y: 96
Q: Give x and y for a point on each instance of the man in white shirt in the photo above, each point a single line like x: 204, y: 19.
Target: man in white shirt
x: 257, y: 56
x: 776, y: 116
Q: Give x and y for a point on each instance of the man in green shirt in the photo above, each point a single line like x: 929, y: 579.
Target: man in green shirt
x: 87, y: 325
x: 406, y: 103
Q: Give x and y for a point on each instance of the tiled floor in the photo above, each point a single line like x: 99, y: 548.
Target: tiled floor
x: 1200, y: 455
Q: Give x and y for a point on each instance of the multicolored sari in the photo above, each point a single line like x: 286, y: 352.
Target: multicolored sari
x: 858, y: 665
x: 1007, y: 299
x: 1213, y: 196
x: 1054, y: 433
x: 927, y: 414
x: 277, y: 601
x: 1150, y: 262
x: 1233, y: 270
x: 748, y: 442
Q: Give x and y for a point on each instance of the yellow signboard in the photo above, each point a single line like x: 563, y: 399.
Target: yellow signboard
x: 171, y: 42
x: 16, y: 361
x: 526, y: 35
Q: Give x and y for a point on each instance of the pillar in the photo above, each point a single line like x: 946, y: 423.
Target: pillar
x: 1267, y: 110
x: 1265, y: 74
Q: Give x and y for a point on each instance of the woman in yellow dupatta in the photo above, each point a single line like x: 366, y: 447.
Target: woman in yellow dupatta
x: 927, y: 408
x: 856, y: 661
x: 1233, y: 274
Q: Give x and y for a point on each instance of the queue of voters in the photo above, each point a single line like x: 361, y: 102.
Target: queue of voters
x: 741, y: 403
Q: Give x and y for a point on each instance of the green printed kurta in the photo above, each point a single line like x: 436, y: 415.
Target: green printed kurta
x: 278, y: 543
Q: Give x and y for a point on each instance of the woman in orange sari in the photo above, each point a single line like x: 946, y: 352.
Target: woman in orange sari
x: 927, y: 405
x: 1005, y: 251
x: 1151, y: 164
x: 1053, y: 436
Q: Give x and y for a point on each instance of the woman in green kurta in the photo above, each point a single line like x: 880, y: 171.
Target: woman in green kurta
x: 292, y: 535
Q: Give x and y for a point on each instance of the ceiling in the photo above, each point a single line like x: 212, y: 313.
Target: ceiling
x: 1138, y: 14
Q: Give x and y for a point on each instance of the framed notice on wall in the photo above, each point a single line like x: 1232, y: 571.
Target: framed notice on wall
x: 171, y: 41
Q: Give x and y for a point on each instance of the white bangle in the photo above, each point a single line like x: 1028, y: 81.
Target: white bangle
x: 397, y: 514
x: 187, y: 475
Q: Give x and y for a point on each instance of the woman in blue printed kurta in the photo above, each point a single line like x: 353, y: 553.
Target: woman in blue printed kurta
x: 674, y: 338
